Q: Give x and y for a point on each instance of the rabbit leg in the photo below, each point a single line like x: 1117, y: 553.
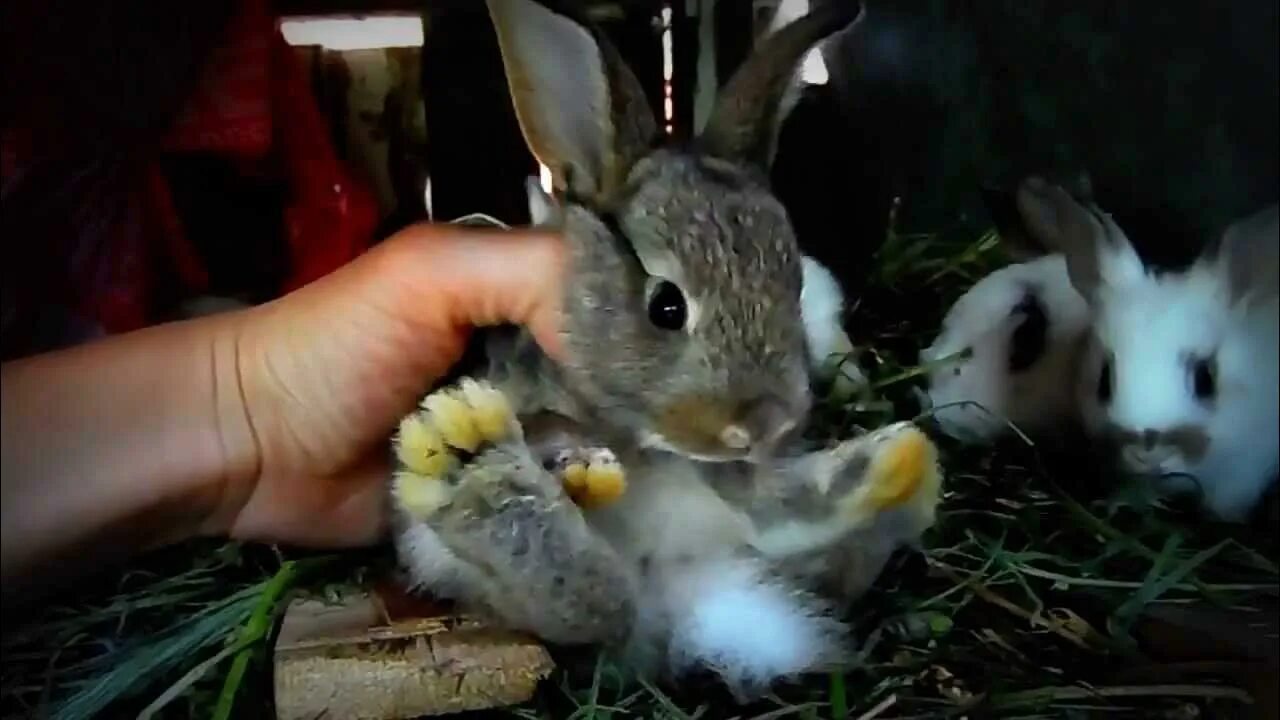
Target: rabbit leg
x: 878, y: 490
x: 523, y: 548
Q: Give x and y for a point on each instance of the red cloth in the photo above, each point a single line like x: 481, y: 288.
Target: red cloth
x: 254, y: 106
x: 254, y: 101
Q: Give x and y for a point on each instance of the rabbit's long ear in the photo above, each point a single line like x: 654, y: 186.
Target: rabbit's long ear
x: 1097, y: 251
x: 1249, y: 254
x: 744, y: 122
x: 1002, y: 206
x: 580, y: 108
x: 1006, y: 210
x: 542, y: 208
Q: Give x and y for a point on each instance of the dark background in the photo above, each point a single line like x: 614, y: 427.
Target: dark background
x: 1172, y: 108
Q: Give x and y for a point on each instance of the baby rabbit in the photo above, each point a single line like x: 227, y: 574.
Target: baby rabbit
x: 1179, y: 375
x: 647, y: 489
x: 1007, y: 352
x: 1009, y: 346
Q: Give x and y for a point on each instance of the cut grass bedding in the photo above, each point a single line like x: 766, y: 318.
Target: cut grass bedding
x: 1026, y: 600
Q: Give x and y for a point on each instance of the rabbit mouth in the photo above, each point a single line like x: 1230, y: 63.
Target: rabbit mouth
x: 720, y: 430
x: 1155, y: 462
x: 657, y: 441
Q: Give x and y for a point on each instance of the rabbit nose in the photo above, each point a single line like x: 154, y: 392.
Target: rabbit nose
x: 1150, y: 438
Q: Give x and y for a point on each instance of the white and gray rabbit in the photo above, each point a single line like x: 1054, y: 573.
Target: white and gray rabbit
x: 1006, y: 354
x: 1179, y: 372
x: 648, y: 489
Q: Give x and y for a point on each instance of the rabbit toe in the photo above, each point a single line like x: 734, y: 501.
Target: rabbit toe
x: 591, y: 476
x: 431, y: 444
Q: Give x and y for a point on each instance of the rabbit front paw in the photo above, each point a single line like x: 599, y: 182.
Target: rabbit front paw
x: 433, y: 443
x: 592, y: 476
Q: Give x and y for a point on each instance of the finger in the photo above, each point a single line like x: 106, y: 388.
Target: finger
x: 479, y: 277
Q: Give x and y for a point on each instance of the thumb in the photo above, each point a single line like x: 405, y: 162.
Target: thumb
x: 480, y: 277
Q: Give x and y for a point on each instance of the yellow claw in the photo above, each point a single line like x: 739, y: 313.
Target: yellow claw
x: 905, y: 470
x: 420, y: 448
x: 605, y: 483
x: 574, y: 477
x: 899, y: 470
x: 420, y: 495
x: 490, y: 411
x: 452, y: 417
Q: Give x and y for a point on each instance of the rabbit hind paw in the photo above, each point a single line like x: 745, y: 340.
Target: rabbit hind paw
x: 902, y: 472
x: 451, y: 425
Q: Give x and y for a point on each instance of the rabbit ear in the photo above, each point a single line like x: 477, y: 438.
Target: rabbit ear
x: 542, y: 209
x: 1096, y: 250
x: 1002, y: 206
x: 744, y: 122
x: 1005, y: 209
x: 580, y: 108
x: 1249, y: 254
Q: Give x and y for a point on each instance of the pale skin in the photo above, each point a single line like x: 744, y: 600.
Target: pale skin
x: 270, y: 424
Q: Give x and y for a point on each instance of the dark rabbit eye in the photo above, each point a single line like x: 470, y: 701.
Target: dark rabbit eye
x: 667, y: 308
x: 1206, y: 385
x: 1104, y: 382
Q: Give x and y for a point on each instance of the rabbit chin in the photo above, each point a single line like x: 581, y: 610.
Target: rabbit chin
x: 1168, y: 472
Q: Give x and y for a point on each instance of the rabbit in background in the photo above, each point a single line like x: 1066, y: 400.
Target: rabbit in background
x: 649, y: 491
x: 1173, y: 372
x: 1008, y: 347
x: 1007, y: 352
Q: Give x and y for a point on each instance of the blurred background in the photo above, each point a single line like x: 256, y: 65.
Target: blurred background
x: 155, y: 154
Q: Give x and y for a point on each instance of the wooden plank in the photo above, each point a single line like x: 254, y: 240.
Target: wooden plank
x: 380, y: 656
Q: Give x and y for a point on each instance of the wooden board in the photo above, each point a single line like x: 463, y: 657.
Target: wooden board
x: 380, y: 656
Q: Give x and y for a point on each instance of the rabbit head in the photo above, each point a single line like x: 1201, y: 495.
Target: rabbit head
x: 1181, y: 369
x: 1006, y: 345
x: 682, y: 320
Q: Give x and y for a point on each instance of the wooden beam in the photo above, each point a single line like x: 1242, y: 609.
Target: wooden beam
x: 381, y: 656
x: 366, y: 7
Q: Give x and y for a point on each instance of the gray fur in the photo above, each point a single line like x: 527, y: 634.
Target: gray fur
x: 521, y: 532
x: 509, y: 539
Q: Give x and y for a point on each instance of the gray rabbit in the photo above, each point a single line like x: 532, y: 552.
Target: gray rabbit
x: 650, y: 491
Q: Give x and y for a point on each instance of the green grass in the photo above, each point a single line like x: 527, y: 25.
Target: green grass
x: 1024, y: 602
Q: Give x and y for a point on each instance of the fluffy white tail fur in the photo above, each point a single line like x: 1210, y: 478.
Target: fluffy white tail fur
x: 729, y: 615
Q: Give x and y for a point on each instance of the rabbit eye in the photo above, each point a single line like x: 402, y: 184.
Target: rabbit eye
x: 1206, y: 385
x: 667, y: 309
x: 1104, y: 382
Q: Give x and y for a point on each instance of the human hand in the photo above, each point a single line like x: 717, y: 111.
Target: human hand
x: 326, y: 373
